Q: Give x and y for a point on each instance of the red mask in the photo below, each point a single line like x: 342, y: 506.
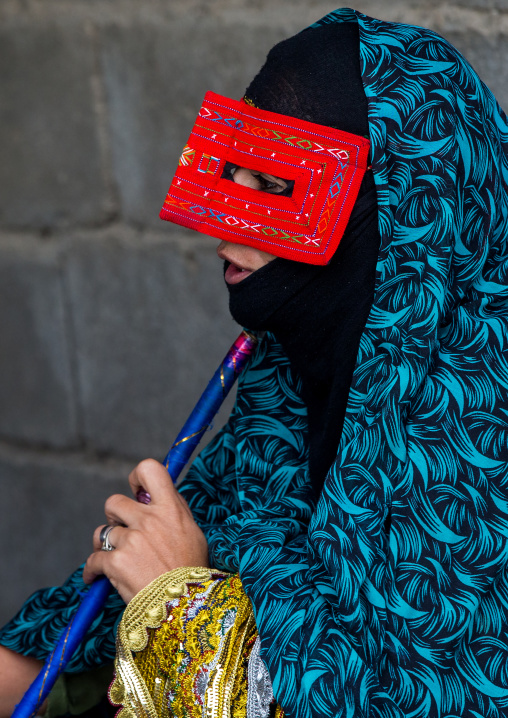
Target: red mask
x: 324, y: 167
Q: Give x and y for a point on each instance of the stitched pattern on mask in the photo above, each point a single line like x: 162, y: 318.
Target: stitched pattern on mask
x: 271, y: 232
x: 187, y: 156
x: 208, y: 164
x: 324, y: 165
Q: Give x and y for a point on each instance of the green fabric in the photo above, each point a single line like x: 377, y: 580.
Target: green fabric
x: 75, y: 693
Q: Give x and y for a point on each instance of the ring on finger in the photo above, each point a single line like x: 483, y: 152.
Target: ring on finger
x: 106, y: 545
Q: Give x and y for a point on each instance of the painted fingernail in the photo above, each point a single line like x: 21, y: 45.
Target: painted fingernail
x: 143, y: 497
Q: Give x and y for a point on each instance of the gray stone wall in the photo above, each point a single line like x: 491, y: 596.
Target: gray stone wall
x: 111, y: 320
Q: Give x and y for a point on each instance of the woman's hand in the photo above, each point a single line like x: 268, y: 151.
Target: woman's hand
x: 149, y: 539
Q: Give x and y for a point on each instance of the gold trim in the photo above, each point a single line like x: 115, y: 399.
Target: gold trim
x: 183, y: 646
x: 145, y: 611
x: 186, y: 438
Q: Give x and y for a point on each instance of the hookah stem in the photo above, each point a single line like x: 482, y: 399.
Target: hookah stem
x: 180, y: 452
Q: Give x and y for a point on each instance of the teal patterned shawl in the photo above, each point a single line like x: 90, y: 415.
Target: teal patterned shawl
x: 355, y: 620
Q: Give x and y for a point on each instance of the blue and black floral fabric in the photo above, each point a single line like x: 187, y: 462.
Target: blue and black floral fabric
x: 387, y: 597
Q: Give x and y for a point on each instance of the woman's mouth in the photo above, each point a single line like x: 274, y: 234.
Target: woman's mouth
x: 235, y: 274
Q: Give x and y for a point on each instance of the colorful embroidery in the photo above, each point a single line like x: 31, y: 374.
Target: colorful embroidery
x: 325, y: 164
x: 187, y: 156
x: 183, y: 650
x: 208, y: 164
x: 233, y: 221
x: 248, y: 101
x: 271, y: 134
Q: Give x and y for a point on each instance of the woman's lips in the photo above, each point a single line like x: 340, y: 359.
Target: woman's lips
x: 236, y: 274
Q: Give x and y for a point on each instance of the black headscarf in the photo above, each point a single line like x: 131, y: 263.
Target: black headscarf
x: 317, y: 313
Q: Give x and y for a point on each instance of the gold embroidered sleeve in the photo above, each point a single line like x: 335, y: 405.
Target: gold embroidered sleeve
x: 183, y: 648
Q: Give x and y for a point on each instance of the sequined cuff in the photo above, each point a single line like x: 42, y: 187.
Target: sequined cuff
x: 183, y: 649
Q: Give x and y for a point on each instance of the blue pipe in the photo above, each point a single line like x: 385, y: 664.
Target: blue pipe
x: 95, y: 598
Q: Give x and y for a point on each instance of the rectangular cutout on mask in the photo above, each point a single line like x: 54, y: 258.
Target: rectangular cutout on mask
x: 257, y: 180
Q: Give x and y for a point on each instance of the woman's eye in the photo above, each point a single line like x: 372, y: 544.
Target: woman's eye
x: 269, y: 185
x: 254, y: 179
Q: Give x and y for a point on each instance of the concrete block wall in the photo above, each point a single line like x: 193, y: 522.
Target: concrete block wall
x: 112, y: 321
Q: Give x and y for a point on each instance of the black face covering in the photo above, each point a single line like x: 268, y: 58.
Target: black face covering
x: 317, y: 313
x: 315, y: 76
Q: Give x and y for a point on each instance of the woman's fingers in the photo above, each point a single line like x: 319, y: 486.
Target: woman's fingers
x: 152, y: 477
x: 103, y: 562
x: 94, y: 566
x: 116, y: 536
x: 120, y: 509
x: 148, y: 540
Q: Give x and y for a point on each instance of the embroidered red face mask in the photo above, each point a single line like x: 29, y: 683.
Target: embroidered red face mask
x: 321, y: 170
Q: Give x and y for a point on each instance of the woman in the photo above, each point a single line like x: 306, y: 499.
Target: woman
x: 359, y: 486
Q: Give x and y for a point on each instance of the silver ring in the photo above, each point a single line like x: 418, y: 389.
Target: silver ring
x: 104, y: 538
